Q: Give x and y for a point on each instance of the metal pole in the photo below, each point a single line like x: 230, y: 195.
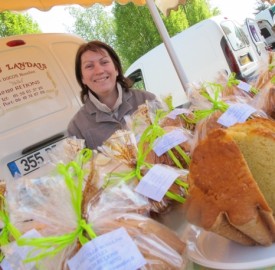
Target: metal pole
x: 168, y: 44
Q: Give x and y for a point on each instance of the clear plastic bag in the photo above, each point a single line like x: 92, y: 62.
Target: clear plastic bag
x: 117, y: 207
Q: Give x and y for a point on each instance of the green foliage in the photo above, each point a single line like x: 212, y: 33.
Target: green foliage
x: 96, y: 22
x: 261, y: 6
x: 136, y: 32
x: 17, y: 24
x: 130, y: 29
x: 198, y: 10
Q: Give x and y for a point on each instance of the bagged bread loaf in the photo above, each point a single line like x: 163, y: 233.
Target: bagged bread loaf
x: 122, y: 147
x: 232, y: 179
x: 118, y: 206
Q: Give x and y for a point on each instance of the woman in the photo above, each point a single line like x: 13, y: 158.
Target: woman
x: 106, y: 94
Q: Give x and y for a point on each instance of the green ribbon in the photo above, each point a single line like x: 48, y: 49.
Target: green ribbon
x: 151, y: 133
x: 188, y: 121
x: 232, y: 81
x: 9, y: 229
x: 270, y: 67
x: 169, y: 102
x: 49, y: 246
x: 217, y: 103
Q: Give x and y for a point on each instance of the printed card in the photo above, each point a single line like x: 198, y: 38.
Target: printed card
x: 111, y: 251
x: 5, y: 265
x: 236, y: 113
x: 168, y: 141
x: 156, y: 182
x: 16, y: 254
x: 173, y: 114
x: 244, y: 86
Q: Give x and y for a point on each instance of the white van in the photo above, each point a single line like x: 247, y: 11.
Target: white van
x: 211, y: 46
x: 267, y: 31
x: 256, y: 39
x: 267, y: 15
x: 266, y: 23
x: 38, y: 96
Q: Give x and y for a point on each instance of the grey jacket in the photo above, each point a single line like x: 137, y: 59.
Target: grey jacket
x: 95, y: 126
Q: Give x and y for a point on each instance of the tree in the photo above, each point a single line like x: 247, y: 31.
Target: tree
x: 198, y: 10
x: 17, y: 24
x: 130, y: 29
x: 96, y: 22
x: 261, y: 6
x: 137, y: 34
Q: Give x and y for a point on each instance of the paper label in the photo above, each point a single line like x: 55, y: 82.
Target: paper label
x: 173, y: 114
x: 168, y: 141
x: 5, y: 265
x: 111, y: 251
x: 244, y: 86
x: 24, y: 250
x: 16, y: 254
x: 236, y: 113
x: 156, y: 182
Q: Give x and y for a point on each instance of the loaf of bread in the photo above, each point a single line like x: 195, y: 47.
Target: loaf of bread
x: 232, y: 182
x: 160, y: 246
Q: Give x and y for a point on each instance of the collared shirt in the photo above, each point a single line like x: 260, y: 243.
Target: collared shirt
x: 103, y: 107
x: 95, y: 125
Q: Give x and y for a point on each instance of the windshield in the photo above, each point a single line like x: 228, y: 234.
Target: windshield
x: 235, y: 35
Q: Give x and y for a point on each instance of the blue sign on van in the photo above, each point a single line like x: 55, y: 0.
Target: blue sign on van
x: 13, y: 168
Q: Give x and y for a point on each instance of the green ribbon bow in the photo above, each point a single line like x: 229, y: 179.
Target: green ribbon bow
x: 151, y: 133
x: 8, y: 230
x: 233, y: 81
x: 50, y: 246
x: 217, y: 103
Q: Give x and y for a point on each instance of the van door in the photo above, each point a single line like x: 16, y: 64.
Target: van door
x: 38, y: 96
x: 240, y: 48
x: 267, y: 32
x: 258, y: 42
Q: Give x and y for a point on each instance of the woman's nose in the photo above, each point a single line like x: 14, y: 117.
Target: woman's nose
x: 98, y: 68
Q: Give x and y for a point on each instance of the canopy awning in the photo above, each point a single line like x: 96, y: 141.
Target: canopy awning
x: 164, y: 5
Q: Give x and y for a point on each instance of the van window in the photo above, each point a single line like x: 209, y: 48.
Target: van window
x: 254, y: 33
x: 137, y: 79
x: 265, y: 33
x: 235, y: 35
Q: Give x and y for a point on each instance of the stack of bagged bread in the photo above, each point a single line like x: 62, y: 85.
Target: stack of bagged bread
x: 232, y: 183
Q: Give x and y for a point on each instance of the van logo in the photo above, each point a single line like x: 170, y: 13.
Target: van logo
x: 24, y: 65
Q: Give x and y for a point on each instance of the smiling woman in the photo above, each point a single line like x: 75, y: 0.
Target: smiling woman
x: 105, y: 92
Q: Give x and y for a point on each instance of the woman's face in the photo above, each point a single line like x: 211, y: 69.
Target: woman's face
x: 99, y: 72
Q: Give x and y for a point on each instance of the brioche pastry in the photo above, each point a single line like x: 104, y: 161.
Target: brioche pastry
x: 231, y: 183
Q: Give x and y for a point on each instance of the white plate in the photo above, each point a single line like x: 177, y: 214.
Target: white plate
x: 213, y: 251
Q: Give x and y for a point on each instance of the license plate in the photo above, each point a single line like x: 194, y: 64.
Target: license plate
x: 31, y: 162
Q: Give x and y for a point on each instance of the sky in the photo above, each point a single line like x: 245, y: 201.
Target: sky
x: 58, y: 18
